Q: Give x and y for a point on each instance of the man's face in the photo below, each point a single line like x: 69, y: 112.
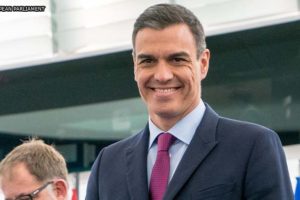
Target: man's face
x: 168, y: 72
x: 19, y: 182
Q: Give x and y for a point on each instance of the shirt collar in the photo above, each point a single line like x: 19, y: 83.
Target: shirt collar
x: 184, y: 129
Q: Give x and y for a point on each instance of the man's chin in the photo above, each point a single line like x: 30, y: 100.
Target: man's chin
x: 166, y: 113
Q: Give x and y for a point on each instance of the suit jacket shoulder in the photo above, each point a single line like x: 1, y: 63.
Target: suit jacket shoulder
x: 120, y: 169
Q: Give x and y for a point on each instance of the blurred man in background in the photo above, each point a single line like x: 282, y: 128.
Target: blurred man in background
x: 34, y: 170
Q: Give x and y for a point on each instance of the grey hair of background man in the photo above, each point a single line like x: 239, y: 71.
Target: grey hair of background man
x: 161, y: 16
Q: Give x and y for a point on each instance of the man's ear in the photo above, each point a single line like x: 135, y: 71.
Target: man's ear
x: 60, y: 187
x: 204, y: 63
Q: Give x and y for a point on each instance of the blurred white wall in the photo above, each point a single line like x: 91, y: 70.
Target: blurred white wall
x: 292, y: 153
x: 25, y: 36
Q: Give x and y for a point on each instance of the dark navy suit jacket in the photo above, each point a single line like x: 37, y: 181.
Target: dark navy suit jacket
x: 226, y: 160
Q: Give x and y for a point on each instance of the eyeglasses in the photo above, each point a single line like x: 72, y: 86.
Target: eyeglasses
x: 33, y: 194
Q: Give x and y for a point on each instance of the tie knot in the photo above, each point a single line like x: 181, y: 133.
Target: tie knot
x: 165, y: 140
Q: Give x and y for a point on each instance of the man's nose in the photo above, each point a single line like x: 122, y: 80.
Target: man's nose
x: 163, y: 72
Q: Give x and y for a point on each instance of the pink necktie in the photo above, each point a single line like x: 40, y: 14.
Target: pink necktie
x: 161, y: 168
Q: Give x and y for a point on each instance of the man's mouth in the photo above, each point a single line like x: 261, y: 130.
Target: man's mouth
x: 164, y: 90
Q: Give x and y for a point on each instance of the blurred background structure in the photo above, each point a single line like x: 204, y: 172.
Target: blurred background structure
x: 66, y: 74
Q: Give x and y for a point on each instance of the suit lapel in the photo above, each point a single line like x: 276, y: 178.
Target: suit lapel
x: 201, y: 145
x: 136, y: 163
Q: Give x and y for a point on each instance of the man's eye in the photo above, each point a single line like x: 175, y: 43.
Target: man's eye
x: 179, y: 60
x: 25, y: 197
x: 145, y: 61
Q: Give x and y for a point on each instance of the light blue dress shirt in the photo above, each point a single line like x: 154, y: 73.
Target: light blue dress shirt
x: 183, y: 130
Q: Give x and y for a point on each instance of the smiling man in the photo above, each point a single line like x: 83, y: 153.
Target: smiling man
x: 186, y: 150
x: 34, y: 171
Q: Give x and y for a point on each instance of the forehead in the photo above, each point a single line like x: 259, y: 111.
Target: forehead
x: 173, y: 38
x: 18, y: 181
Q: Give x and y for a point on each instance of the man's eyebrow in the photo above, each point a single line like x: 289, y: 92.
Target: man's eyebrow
x: 179, y: 54
x: 141, y: 56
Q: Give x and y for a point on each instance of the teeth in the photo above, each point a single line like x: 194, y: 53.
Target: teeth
x: 165, y: 90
